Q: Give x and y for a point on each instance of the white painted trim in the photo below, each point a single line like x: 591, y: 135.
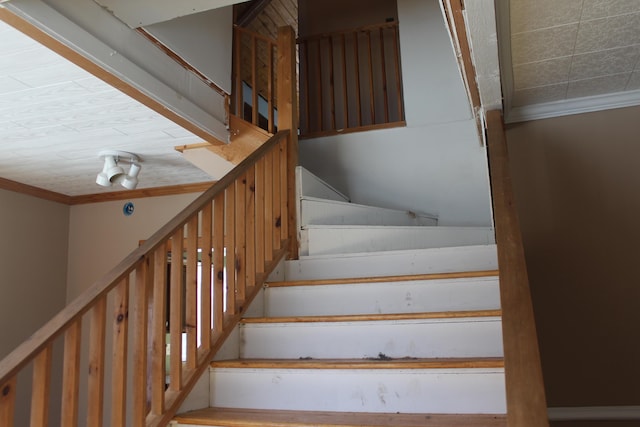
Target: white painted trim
x: 573, y: 106
x: 594, y: 413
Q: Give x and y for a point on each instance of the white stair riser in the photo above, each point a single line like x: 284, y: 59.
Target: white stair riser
x: 410, y: 391
x: 330, y: 212
x: 383, y: 298
x: 424, y: 261
x: 309, y: 185
x: 326, y: 240
x: 442, y: 338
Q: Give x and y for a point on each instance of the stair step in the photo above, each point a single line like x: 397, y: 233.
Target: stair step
x: 229, y: 417
x: 337, y: 239
x: 309, y: 185
x: 317, y: 211
x: 390, y: 263
x: 453, y: 386
x: 380, y: 295
x: 447, y: 334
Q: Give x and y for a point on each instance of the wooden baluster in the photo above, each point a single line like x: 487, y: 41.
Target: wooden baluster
x: 205, y: 279
x: 41, y: 387
x: 345, y: 92
x: 140, y: 323
x: 254, y: 80
x: 250, y: 225
x: 271, y: 127
x: 332, y: 88
x: 277, y: 212
x: 383, y: 65
x: 71, y: 374
x: 97, y: 333
x: 356, y: 61
x: 241, y: 242
x: 230, y: 244
x: 268, y: 207
x: 371, y: 87
x: 159, y: 330
x: 191, y: 293
x: 239, y: 97
x: 396, y: 60
x: 8, y: 401
x: 176, y: 310
x: 120, y: 353
x: 282, y: 180
x: 307, y: 91
x: 218, y: 263
x: 320, y: 103
x: 260, y: 216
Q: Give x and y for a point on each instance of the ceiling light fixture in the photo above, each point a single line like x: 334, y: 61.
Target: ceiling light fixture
x: 113, y: 173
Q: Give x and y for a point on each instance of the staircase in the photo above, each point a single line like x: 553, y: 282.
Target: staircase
x: 368, y: 328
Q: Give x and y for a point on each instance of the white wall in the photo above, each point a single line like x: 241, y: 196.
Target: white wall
x: 100, y: 235
x: 436, y: 164
x: 204, y: 40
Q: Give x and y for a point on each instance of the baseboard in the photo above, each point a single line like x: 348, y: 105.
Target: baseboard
x: 594, y: 413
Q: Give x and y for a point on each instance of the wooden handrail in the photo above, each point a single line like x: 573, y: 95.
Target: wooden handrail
x: 208, y: 226
x: 357, y: 81
x: 526, y: 402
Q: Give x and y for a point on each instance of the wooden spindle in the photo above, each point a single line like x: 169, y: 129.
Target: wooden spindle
x: 95, y: 392
x: 239, y: 97
x: 8, y: 401
x: 320, y: 103
x: 307, y: 91
x: 205, y: 279
x: 271, y: 106
x: 254, y: 81
x: 120, y: 353
x: 282, y: 180
x: 71, y: 374
x: 268, y: 207
x: 332, y: 89
x: 356, y: 61
x: 176, y: 310
x: 345, y: 92
x: 250, y: 226
x: 140, y: 322
x: 260, y: 216
x: 383, y: 72
x: 371, y: 86
x: 41, y: 387
x: 218, y: 263
x: 230, y: 245
x: 277, y: 211
x: 241, y: 240
x: 159, y: 330
x: 191, y: 293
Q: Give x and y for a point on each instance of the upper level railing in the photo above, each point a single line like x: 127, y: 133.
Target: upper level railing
x: 526, y: 402
x: 231, y: 236
x: 254, y: 79
x: 350, y: 80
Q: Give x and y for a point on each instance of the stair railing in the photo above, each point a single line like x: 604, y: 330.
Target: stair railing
x: 526, y: 401
x: 254, y: 78
x: 234, y: 234
x: 351, y: 80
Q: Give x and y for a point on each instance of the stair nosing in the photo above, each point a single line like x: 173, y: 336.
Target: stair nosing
x: 241, y: 417
x: 383, y: 279
x: 381, y: 363
x: 462, y: 314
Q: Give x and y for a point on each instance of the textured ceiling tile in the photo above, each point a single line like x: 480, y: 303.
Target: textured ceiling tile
x: 598, y: 86
x: 594, y: 9
x: 541, y: 73
x: 539, y: 95
x: 608, y: 33
x: 634, y: 81
x: 602, y: 63
x: 543, y: 44
x: 527, y: 15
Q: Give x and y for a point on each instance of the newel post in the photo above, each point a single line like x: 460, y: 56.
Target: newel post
x: 287, y: 106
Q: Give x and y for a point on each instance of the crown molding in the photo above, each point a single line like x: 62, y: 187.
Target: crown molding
x: 573, y: 106
x: 30, y: 190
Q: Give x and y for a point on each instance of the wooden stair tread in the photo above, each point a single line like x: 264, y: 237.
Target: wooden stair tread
x: 376, y: 317
x: 277, y: 418
x: 373, y: 363
x: 381, y: 279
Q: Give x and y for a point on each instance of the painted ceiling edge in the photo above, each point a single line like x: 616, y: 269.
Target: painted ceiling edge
x: 42, y: 37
